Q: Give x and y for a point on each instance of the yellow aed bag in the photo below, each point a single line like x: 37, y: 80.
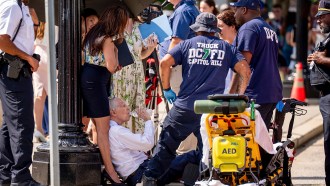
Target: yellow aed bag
x: 229, y: 153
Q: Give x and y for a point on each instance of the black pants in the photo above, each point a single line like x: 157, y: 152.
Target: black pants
x: 16, y: 133
x: 325, y: 111
x: 173, y: 173
x: 266, y: 112
x: 178, y: 125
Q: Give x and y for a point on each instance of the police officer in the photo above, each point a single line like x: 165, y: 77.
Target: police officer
x: 205, y: 61
x: 16, y: 95
x: 258, y: 43
x: 320, y: 62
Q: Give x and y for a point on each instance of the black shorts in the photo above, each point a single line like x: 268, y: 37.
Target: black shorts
x: 95, y: 90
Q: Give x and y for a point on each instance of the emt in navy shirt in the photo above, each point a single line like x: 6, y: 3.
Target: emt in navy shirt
x: 259, y: 44
x: 184, y: 15
x: 205, y: 61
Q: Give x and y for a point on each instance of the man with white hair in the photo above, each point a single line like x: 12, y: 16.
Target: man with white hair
x: 128, y: 150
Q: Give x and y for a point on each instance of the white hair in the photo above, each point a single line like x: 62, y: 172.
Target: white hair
x: 113, y: 103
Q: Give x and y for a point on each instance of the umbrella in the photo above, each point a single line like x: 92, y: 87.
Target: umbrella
x: 135, y: 6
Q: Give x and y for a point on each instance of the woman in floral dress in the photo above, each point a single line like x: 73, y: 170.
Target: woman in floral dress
x: 128, y: 83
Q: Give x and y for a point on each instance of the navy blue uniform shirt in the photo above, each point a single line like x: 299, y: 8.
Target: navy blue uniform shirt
x: 205, y: 63
x: 184, y: 15
x: 257, y: 37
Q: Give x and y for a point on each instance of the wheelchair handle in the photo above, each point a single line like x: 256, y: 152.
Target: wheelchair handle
x: 293, y: 102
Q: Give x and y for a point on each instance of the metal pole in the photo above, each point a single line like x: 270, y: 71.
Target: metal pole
x: 155, y: 56
x: 303, y: 8
x: 302, y: 31
x: 79, y: 161
x: 52, y: 96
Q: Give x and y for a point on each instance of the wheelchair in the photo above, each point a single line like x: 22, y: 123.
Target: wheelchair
x: 234, y: 155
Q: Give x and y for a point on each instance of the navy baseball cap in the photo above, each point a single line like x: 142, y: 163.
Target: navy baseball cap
x: 250, y: 4
x: 324, y: 8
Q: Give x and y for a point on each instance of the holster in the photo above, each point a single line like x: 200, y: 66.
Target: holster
x: 16, y: 66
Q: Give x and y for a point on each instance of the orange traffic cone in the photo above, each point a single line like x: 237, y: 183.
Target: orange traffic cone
x: 298, y: 89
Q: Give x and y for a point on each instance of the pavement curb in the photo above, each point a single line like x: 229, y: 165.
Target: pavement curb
x: 303, y: 133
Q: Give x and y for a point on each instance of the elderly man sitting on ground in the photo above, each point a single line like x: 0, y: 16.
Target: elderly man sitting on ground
x: 128, y: 150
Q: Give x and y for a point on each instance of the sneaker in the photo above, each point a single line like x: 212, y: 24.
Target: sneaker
x: 148, y: 181
x: 39, y: 137
x: 31, y: 182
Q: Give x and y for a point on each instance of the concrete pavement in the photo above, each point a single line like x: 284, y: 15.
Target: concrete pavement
x: 308, y: 164
x: 306, y: 126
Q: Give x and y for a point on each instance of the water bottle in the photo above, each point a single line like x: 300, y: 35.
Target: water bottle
x: 252, y: 109
x: 135, y: 114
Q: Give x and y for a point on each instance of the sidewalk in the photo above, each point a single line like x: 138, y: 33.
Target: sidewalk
x: 306, y: 126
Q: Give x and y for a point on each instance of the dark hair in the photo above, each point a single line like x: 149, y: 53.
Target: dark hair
x: 289, y: 21
x: 211, y: 3
x: 112, y: 23
x: 227, y: 16
x: 89, y: 12
x: 277, y: 6
x: 26, y: 2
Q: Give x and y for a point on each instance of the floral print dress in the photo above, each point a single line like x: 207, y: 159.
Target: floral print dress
x: 128, y: 83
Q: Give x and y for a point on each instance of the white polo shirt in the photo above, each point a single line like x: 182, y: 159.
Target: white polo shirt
x: 10, y: 15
